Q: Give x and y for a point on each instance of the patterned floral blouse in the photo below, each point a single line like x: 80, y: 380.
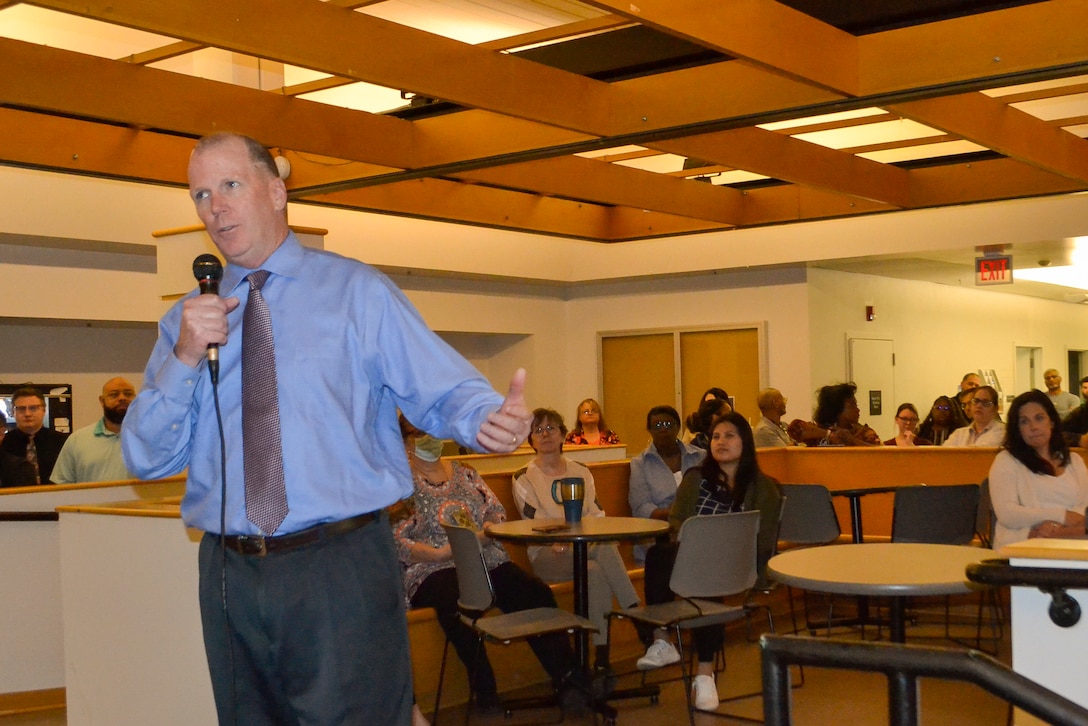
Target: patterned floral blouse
x: 464, y: 499
x: 575, y: 438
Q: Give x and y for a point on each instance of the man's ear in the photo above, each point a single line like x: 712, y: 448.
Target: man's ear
x: 278, y: 191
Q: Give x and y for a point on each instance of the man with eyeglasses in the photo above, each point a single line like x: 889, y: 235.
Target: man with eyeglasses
x: 14, y: 471
x: 985, y: 428
x: 94, y: 452
x: 769, y: 431
x: 31, y: 440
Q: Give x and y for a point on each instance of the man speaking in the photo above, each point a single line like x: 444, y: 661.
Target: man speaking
x: 301, y: 595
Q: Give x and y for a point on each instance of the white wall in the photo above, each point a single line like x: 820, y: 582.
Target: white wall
x: 940, y: 331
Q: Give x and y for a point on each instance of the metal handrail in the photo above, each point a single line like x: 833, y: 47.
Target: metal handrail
x: 1054, y: 581
x: 903, y: 665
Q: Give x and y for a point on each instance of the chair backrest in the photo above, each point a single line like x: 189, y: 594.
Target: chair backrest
x: 808, y: 517
x: 473, y: 580
x: 717, y: 555
x: 935, y: 514
x: 986, y: 519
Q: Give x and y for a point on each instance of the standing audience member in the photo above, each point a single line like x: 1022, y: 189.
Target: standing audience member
x: 590, y: 429
x: 447, y: 492
x: 313, y: 629
x: 836, y: 423
x: 906, y: 420
x: 985, y: 429
x: 770, y: 432
x: 941, y: 421
x: 1064, y: 402
x: 962, y: 399
x: 14, y: 471
x: 555, y: 563
x: 729, y: 480
x: 656, y: 472
x: 94, y: 452
x: 1075, y: 425
x: 1037, y: 487
x: 31, y: 440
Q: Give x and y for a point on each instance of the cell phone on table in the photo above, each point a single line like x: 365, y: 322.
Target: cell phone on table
x: 546, y: 528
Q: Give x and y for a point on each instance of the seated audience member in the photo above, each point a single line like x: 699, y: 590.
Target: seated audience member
x: 692, y: 423
x: 447, y: 492
x: 1064, y: 402
x: 836, y: 420
x: 906, y: 421
x: 94, y: 452
x: 14, y: 471
x: 985, y: 428
x: 941, y: 421
x: 590, y: 429
x: 770, y: 432
x: 729, y: 480
x: 555, y: 563
x: 1038, y: 488
x: 656, y: 472
x: 31, y: 439
x: 1075, y: 425
x: 699, y: 422
x: 962, y: 399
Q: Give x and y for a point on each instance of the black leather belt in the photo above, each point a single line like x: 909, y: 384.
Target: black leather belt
x: 258, y: 546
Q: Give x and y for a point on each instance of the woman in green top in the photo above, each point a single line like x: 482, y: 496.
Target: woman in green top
x: 729, y: 480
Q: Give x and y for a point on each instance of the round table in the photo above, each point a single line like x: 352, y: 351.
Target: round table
x: 894, y: 570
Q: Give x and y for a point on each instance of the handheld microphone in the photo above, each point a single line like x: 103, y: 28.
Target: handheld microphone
x: 208, y: 271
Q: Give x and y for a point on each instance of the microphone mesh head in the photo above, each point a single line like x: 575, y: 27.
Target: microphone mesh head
x: 207, y: 267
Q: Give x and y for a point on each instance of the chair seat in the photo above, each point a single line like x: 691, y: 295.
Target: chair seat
x: 689, y: 613
x: 525, y: 624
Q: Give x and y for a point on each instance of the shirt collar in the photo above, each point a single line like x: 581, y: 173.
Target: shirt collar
x: 284, y: 262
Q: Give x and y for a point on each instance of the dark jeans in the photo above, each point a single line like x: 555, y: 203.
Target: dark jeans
x: 315, y: 636
x: 515, y: 589
x: 659, y: 563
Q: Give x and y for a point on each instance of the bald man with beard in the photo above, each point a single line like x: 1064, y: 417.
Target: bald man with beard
x: 94, y: 452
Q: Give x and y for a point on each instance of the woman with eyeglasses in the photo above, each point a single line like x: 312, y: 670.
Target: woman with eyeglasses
x: 447, y: 492
x: 590, y: 428
x: 555, y: 563
x: 656, y: 472
x: 906, y: 420
x: 1037, y: 487
x: 942, y: 420
x: 986, y: 429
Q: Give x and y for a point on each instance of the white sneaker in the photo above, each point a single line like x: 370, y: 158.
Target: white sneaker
x: 705, y: 693
x: 661, y: 653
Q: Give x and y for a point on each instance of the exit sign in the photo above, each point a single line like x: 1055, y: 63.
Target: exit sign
x: 995, y: 270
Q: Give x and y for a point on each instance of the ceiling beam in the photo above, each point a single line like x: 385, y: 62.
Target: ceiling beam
x: 783, y: 157
x: 354, y: 45
x: 1007, y: 130
x: 165, y: 52
x: 760, y: 31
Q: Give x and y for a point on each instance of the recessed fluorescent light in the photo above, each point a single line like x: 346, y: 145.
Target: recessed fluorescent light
x: 1067, y: 276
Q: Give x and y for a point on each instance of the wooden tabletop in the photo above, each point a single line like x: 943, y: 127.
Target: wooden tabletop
x: 590, y: 529
x: 887, y: 568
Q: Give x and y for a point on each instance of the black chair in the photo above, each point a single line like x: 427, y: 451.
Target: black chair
x: 808, y: 520
x: 476, y: 597
x: 943, y: 515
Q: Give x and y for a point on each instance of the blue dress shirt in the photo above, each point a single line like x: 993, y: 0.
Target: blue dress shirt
x: 350, y: 351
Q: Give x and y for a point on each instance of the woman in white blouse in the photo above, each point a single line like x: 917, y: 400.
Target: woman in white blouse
x: 1038, y: 488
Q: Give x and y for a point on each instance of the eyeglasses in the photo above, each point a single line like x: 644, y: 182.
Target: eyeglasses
x: 588, y: 410
x: 942, y: 408
x: 29, y: 409
x: 541, y: 430
x: 663, y: 425
x: 984, y: 402
x: 907, y: 419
